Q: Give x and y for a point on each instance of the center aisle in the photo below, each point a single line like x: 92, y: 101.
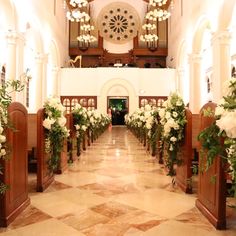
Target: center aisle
x: 116, y: 188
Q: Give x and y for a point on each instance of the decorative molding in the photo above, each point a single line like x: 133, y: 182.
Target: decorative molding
x: 195, y: 58
x: 11, y: 37
x: 41, y: 58
x: 223, y: 37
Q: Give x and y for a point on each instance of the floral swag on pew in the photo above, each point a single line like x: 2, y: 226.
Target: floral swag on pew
x: 224, y: 128
x: 5, y: 100
x: 56, y: 131
x: 81, y: 123
x: 173, y: 121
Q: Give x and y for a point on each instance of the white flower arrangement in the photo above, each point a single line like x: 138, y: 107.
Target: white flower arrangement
x: 81, y: 120
x: 226, y: 121
x: 56, y: 131
x: 173, y: 121
x: 5, y: 101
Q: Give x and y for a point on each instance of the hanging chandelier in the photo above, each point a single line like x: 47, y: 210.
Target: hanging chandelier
x: 157, y: 2
x: 78, y: 11
x: 157, y: 11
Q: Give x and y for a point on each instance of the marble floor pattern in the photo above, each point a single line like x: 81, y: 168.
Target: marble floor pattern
x: 116, y: 188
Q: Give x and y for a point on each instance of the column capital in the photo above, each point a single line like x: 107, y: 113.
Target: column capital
x: 223, y: 37
x: 180, y: 71
x: 41, y: 58
x: 195, y: 58
x: 55, y: 69
x: 11, y: 36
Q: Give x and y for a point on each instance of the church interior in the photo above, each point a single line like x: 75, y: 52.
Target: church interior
x: 118, y: 117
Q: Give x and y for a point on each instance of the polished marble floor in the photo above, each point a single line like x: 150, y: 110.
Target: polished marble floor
x: 116, y: 188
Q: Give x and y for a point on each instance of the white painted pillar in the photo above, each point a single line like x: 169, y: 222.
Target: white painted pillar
x: 55, y: 81
x: 180, y: 80
x: 20, y: 97
x: 195, y: 82
x: 11, y: 37
x: 221, y: 62
x: 39, y: 59
x: 44, y: 77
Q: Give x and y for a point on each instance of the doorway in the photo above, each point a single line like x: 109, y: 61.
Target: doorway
x: 118, y: 107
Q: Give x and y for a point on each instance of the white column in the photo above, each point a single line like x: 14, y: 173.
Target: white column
x: 20, y: 97
x: 180, y: 80
x: 55, y: 80
x: 39, y: 59
x: 195, y: 82
x: 221, y: 62
x: 11, y: 37
x: 44, y: 77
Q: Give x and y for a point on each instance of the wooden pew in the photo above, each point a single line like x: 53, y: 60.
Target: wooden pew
x: 44, y: 176
x: 63, y: 165
x: 16, y: 199
x: 211, y: 199
x: 184, y: 171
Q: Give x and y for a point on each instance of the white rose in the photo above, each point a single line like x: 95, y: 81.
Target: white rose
x: 219, y: 111
x: 162, y: 112
x: 179, y: 103
x: 227, y: 122
x: 175, y: 114
x: 84, y: 127
x: 62, y: 121
x: 47, y: 123
x: 77, y: 127
x: 173, y: 139
x: 2, y: 139
x: 148, y: 107
x: 167, y: 116
x: 3, y: 152
x: 148, y: 126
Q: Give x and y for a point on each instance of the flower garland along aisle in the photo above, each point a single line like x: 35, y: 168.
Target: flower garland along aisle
x: 153, y: 129
x: 56, y: 131
x: 224, y: 128
x: 98, y: 122
x: 173, y: 121
x: 144, y: 123
x: 5, y: 100
x: 81, y: 123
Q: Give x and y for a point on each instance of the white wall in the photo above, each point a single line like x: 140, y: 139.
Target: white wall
x: 99, y: 81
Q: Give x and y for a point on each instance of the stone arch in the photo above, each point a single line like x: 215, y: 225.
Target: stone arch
x: 52, y: 82
x: 8, y: 21
x: 104, y: 91
x: 34, y: 57
x: 54, y: 53
x: 182, y: 53
x: 226, y: 14
x: 197, y: 82
x: 182, y: 72
x: 202, y: 25
x: 8, y: 15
